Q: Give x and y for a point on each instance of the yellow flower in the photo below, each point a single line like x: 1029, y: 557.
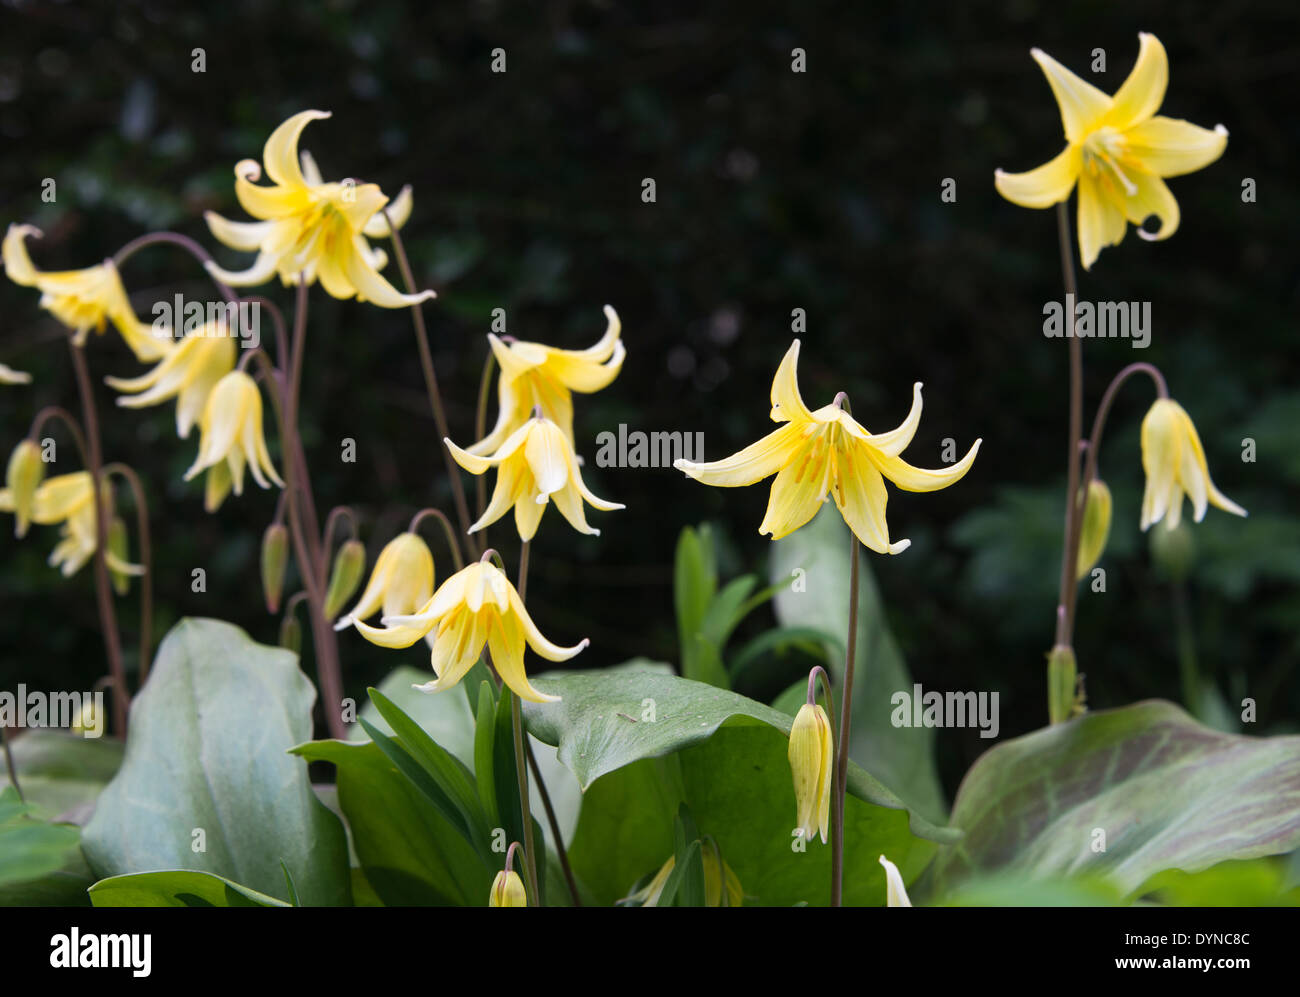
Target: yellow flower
x: 536, y: 375
x: 308, y: 227
x: 401, y: 582
x: 232, y: 438
x: 82, y: 299
x: 535, y: 464
x: 1118, y: 150
x: 67, y: 499
x: 474, y: 607
x: 650, y: 894
x: 188, y: 374
x: 10, y: 376
x: 1175, y: 464
x: 895, y: 891
x: 812, y: 754
x: 508, y: 891
x: 827, y: 451
x: 23, y: 475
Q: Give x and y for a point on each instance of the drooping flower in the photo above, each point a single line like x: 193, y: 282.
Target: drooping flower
x: 508, y: 891
x: 82, y: 299
x: 533, y: 375
x: 10, y: 376
x: 895, y: 891
x: 67, y: 500
x: 477, y: 606
x: 827, y: 451
x: 401, y: 582
x: 23, y: 475
x: 650, y: 894
x: 188, y: 374
x: 309, y: 228
x: 536, y: 463
x: 812, y: 755
x: 1118, y: 151
x: 232, y: 439
x: 1174, y: 462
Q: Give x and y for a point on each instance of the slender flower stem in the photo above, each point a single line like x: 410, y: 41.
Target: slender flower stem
x: 175, y: 239
x: 1073, y: 510
x: 447, y: 529
x: 9, y: 762
x: 431, y: 386
x: 339, y: 512
x: 842, y: 755
x: 530, y: 850
x: 146, y: 560
x: 480, y: 429
x: 103, y: 594
x: 1188, y: 670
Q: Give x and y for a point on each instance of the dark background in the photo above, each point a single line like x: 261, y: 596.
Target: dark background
x: 775, y: 191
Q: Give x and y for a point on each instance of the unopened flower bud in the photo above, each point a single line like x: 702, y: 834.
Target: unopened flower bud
x: 508, y: 891
x: 24, y: 474
x: 118, y: 554
x: 291, y: 633
x: 1095, y: 529
x: 349, y: 566
x: 275, y: 557
x: 1062, y: 677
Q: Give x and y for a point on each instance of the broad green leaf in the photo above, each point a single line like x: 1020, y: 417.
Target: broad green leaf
x: 812, y: 566
x: 207, y: 759
x: 177, y: 888
x: 1166, y: 792
x: 704, y: 663
x: 409, y: 853
x: 62, y: 773
x: 1011, y: 889
x: 30, y: 848
x: 446, y: 719
x: 695, y: 580
x: 1251, y: 883
x: 603, y: 722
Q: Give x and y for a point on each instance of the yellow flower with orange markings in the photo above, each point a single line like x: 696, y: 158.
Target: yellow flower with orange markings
x: 82, y: 299
x: 535, y: 464
x: 534, y: 375
x: 475, y: 607
x: 1118, y: 152
x: 1174, y: 462
x: 816, y: 453
x: 310, y: 228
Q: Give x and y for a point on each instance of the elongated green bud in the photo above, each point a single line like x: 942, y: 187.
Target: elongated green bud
x: 291, y: 633
x: 25, y: 472
x: 1095, y: 529
x: 118, y: 554
x: 349, y: 566
x: 1062, y: 672
x: 275, y: 558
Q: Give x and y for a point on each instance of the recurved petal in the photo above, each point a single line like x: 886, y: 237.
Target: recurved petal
x: 268, y: 203
x: 544, y: 647
x: 1144, y: 91
x: 1169, y: 147
x: 399, y: 210
x: 395, y: 636
x: 895, y: 891
x: 895, y: 441
x: 1044, y: 186
x: 861, y: 499
x: 280, y: 154
x: 1193, y: 451
x: 18, y: 264
x: 756, y: 462
x: 262, y: 270
x: 916, y: 479
x: 371, y: 286
x: 1082, y: 105
x: 245, y: 236
x: 787, y: 403
x: 1152, y: 198
x: 506, y: 642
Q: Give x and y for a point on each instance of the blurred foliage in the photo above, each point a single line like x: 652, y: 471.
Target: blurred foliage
x: 776, y: 191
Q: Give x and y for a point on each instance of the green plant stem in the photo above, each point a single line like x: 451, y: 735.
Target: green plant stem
x: 103, y: 593
x: 447, y: 529
x: 1188, y: 668
x: 146, y: 561
x: 9, y: 762
x: 521, y: 768
x: 1073, y: 516
x: 842, y: 755
x: 480, y: 431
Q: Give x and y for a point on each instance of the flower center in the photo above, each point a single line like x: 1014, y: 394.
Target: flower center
x: 1103, y: 151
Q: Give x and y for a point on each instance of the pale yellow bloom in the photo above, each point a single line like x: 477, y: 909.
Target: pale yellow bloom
x: 308, y: 227
x: 1174, y: 462
x: 232, y: 439
x: 188, y: 374
x: 82, y: 299
x: 827, y: 451
x: 535, y: 375
x: 477, y: 606
x: 23, y: 475
x: 812, y: 755
x: 1094, y: 531
x: 67, y: 500
x: 10, y: 376
x: 1118, y: 151
x: 649, y: 895
x: 535, y: 464
x: 401, y: 582
x: 895, y: 891
x: 508, y: 891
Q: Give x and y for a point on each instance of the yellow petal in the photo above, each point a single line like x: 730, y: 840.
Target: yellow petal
x: 506, y: 642
x: 394, y: 637
x: 371, y: 286
x: 1049, y: 184
x: 10, y: 376
x: 895, y: 891
x: 1169, y: 147
x: 280, y: 154
x: 546, y: 452
x: 787, y: 403
x: 399, y: 210
x: 797, y: 493
x: 1143, y: 92
x: 246, y: 236
x: 548, y: 650
x: 916, y: 479
x: 1082, y: 104
x: 895, y: 441
x: 1101, y: 220
x: 1152, y: 198
x: 18, y: 264
x: 861, y: 498
x: 756, y: 462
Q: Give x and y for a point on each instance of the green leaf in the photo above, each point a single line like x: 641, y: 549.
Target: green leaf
x: 62, y: 773
x: 208, y: 751
x: 177, y: 888
x: 1167, y: 792
x: 1252, y: 883
x: 410, y: 854
x: 30, y: 849
x: 704, y: 663
x: 484, y: 748
x: 724, y: 610
x: 903, y: 758
x: 695, y: 579
x: 446, y: 719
